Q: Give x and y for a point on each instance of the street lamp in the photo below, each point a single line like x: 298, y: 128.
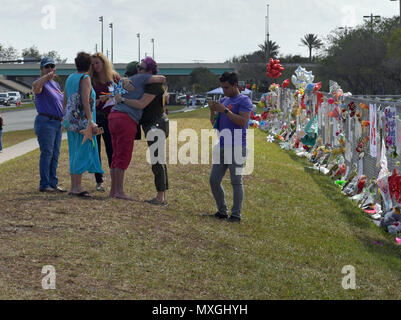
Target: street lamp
x: 153, y: 48
x: 267, y: 45
x: 111, y: 29
x: 371, y: 17
x: 138, y: 35
x: 400, y: 9
x: 345, y: 29
x: 101, y: 20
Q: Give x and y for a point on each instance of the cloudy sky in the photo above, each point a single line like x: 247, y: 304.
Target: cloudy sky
x: 184, y: 30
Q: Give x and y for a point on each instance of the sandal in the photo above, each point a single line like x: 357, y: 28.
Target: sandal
x: 100, y: 187
x: 83, y: 194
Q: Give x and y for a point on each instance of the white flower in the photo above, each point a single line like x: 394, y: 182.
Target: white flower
x: 270, y: 139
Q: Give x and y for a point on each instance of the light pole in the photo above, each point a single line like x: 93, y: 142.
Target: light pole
x: 111, y: 29
x: 138, y: 35
x: 371, y: 17
x: 153, y: 48
x: 267, y: 45
x: 400, y: 9
x: 101, y: 20
x: 345, y: 29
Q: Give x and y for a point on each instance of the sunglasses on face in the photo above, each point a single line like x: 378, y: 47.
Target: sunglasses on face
x: 50, y: 66
x: 141, y: 68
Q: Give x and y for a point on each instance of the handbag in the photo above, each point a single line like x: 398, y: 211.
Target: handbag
x: 75, y: 118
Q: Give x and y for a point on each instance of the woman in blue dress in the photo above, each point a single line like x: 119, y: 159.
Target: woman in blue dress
x: 83, y: 156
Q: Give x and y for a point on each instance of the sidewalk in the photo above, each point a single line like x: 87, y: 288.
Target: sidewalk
x: 21, y: 148
x: 32, y: 144
x: 185, y: 109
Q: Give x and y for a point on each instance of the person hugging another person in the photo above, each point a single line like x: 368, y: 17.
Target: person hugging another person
x: 103, y: 75
x: 123, y: 123
x: 154, y: 117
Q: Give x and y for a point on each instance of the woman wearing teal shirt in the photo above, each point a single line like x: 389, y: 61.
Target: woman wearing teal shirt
x: 83, y: 157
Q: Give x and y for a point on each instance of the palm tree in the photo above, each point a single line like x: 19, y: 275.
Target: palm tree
x: 312, y: 42
x: 273, y: 49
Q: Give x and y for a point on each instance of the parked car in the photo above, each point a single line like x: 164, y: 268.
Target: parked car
x: 181, y: 99
x: 200, y: 99
x: 15, y: 96
x: 4, y: 99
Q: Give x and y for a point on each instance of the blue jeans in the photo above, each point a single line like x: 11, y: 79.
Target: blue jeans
x: 1, y: 146
x: 49, y: 133
x: 234, y: 163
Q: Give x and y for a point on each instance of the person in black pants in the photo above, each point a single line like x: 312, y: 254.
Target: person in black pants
x: 154, y: 117
x: 102, y: 75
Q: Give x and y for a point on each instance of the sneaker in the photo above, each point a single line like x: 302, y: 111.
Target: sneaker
x: 234, y: 219
x: 47, y: 189
x: 100, y: 187
x: 220, y: 216
x: 58, y: 189
x: 156, y: 202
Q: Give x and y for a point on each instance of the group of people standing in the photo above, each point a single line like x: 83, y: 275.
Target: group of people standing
x: 121, y: 119
x: 117, y: 119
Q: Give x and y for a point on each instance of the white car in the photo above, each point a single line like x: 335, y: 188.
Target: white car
x: 14, y: 96
x: 4, y: 98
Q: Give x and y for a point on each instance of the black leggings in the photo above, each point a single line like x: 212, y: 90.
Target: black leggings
x: 159, y: 170
x: 101, y: 121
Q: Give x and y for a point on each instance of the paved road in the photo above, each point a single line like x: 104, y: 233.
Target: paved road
x: 19, y: 120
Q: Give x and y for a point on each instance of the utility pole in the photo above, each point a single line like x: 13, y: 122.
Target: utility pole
x: 107, y: 54
x: 371, y: 17
x: 138, y: 35
x: 101, y: 20
x: 267, y: 44
x: 400, y: 9
x: 345, y: 29
x: 111, y: 27
x: 95, y: 47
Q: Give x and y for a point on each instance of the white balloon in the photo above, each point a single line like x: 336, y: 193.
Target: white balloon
x: 298, y: 72
x: 294, y: 80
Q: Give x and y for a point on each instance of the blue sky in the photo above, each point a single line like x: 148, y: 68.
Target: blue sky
x: 184, y: 30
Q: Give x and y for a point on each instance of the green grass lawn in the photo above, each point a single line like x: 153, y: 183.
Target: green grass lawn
x: 175, y: 108
x: 297, y: 234
x: 14, y: 137
x: 22, y: 107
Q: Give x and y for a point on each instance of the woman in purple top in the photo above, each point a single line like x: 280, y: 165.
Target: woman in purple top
x: 49, y: 105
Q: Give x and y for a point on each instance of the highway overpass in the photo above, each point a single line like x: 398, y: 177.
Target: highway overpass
x: 167, y: 69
